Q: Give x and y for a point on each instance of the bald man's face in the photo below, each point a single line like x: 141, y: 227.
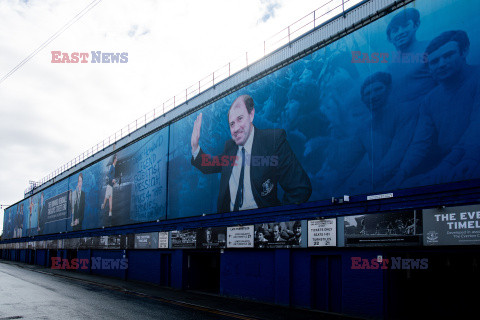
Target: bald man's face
x: 240, y: 122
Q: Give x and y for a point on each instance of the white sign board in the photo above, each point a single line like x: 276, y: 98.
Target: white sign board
x: 322, y: 233
x: 240, y: 237
x: 163, y: 240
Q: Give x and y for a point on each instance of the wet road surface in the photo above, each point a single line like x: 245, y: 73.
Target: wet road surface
x: 26, y: 294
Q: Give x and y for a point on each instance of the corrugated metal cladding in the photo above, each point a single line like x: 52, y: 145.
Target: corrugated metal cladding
x: 313, y: 40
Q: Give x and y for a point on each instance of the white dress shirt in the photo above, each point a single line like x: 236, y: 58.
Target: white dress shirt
x: 248, y: 199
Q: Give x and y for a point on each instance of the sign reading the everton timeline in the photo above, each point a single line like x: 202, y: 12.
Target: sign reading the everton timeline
x: 451, y: 226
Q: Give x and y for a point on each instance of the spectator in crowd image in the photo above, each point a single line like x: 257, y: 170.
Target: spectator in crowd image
x: 110, y: 178
x: 78, y: 205
x: 276, y: 236
x: 296, y: 238
x: 441, y: 134
x: 247, y: 181
x: 383, y: 138
x: 261, y: 239
x: 411, y: 77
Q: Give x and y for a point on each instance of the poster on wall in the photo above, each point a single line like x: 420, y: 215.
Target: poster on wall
x: 384, y: 229
x: 322, y: 233
x: 146, y: 240
x: 291, y: 234
x: 211, y: 238
x: 451, y: 226
x: 114, y: 241
x: 163, y: 240
x: 240, y: 237
x: 184, y: 239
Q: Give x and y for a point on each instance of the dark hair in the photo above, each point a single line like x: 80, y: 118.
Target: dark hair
x: 383, y: 77
x: 459, y: 36
x: 247, y: 100
x: 297, y: 224
x: 402, y: 18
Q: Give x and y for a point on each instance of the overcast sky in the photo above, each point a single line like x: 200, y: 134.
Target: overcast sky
x: 50, y: 113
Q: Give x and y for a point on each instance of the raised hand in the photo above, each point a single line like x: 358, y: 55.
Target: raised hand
x: 196, y: 132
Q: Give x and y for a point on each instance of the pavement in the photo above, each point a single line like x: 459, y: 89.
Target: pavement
x: 200, y: 301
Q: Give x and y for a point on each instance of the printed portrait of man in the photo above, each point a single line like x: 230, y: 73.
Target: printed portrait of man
x: 78, y: 205
x: 253, y: 163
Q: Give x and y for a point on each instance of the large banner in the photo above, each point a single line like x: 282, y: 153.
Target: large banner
x: 394, y: 105
x: 451, y: 226
x: 127, y: 187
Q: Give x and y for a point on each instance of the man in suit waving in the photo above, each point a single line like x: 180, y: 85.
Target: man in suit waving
x: 252, y: 164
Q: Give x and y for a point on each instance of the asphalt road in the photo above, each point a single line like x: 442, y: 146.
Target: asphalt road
x: 27, y: 294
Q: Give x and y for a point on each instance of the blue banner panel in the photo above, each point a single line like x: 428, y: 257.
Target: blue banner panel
x: 52, y: 209
x: 393, y: 105
x: 124, y: 188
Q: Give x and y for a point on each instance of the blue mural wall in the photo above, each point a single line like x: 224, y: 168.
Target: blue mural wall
x: 393, y: 105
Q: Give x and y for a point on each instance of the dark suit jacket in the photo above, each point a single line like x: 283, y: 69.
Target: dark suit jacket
x: 273, y: 162
x: 78, y: 211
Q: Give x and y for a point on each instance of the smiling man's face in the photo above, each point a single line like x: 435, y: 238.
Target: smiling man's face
x: 240, y: 122
x: 402, y: 35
